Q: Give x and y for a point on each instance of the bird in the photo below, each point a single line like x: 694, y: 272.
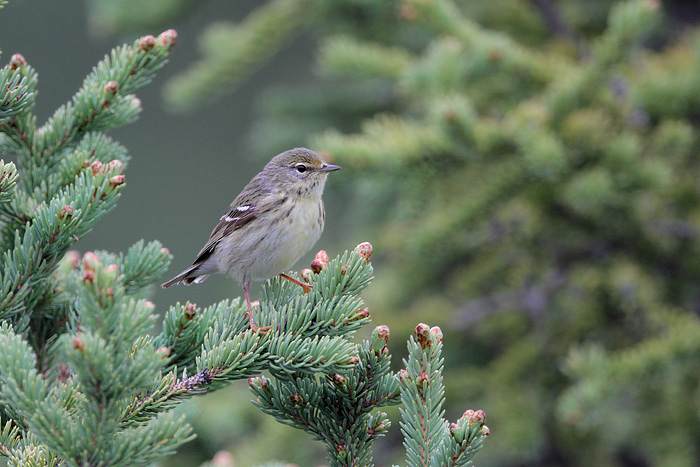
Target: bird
x: 274, y: 221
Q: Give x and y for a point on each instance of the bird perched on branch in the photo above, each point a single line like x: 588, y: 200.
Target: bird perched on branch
x: 272, y: 223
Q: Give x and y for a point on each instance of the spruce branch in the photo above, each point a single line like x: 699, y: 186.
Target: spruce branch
x: 17, y: 82
x: 8, y: 182
x: 429, y: 439
x: 232, y: 51
x: 343, y: 55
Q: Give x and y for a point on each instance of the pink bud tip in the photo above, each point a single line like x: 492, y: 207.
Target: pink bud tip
x: 150, y: 305
x: 164, y: 351
x: 344, y: 270
x: 115, y: 166
x: 111, y: 87
x: 322, y: 256
x: 78, y: 344
x: 422, y: 335
x: 112, y: 268
x: 164, y: 251
x: 339, y: 379
x: 90, y: 261
x: 147, y: 43
x: 222, y: 459
x: 383, y: 332
x: 190, y: 311
x: 116, y: 180
x: 67, y: 211
x: 97, y: 168
x: 364, y: 249
x: 306, y: 274
x: 478, y: 417
x: 436, y: 333
x: 17, y: 61
x: 167, y: 38
x: 422, y: 378
x: 88, y: 276
x: 73, y: 258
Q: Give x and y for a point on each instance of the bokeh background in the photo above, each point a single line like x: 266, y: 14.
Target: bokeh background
x: 526, y: 170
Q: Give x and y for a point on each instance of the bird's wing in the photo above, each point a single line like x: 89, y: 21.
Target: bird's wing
x: 234, y: 219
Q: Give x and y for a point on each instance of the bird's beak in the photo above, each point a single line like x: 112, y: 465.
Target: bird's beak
x: 329, y: 168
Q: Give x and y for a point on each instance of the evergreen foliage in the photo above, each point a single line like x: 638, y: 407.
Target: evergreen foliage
x: 532, y: 165
x: 83, y: 379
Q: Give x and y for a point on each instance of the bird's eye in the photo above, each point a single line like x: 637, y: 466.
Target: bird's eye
x: 301, y: 168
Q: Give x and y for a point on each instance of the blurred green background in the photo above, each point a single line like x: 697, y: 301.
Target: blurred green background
x: 526, y: 170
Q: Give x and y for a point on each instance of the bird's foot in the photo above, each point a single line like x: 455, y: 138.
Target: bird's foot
x: 255, y: 328
x: 305, y: 287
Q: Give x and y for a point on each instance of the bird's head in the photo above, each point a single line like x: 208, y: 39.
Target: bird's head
x: 300, y: 171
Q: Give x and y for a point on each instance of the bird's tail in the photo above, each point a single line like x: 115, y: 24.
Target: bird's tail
x: 186, y: 277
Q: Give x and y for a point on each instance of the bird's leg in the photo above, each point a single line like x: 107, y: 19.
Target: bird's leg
x: 307, y: 288
x: 253, y: 327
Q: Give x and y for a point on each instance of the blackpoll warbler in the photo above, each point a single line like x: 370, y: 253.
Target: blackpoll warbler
x: 277, y: 218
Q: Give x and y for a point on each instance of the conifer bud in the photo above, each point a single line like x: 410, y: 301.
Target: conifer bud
x: 478, y: 417
x: 136, y: 104
x: 339, y: 380
x: 164, y: 251
x: 360, y: 314
x: 109, y: 292
x: 17, y: 61
x: 66, y: 212
x: 88, y: 276
x: 422, y: 335
x: 306, y: 274
x: 112, y: 272
x: 167, y: 38
x: 78, y: 344
x: 322, y: 256
x: 423, y: 378
x: 147, y: 43
x: 485, y: 431
x: 316, y: 266
x: 150, y: 305
x: 354, y: 360
x: 296, y: 399
x: 111, y: 88
x: 163, y: 351
x: 116, y: 180
x: 222, y: 459
x: 73, y: 258
x: 364, y: 249
x: 380, y: 338
x: 404, y: 376
x: 115, y: 165
x: 190, y: 311
x: 344, y: 270
x: 90, y: 261
x: 97, y: 168
x: 436, y: 334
